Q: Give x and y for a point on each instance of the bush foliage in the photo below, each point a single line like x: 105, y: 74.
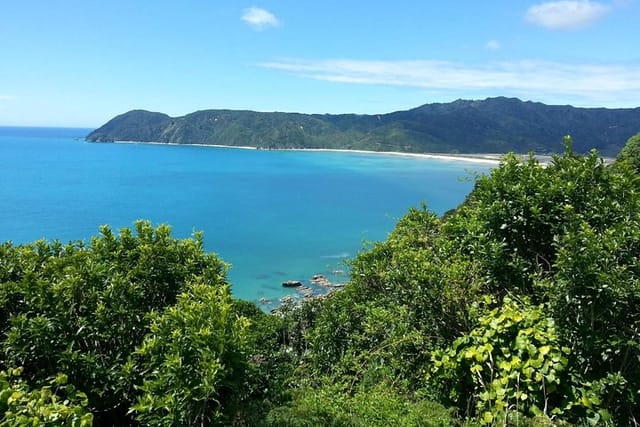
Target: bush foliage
x: 523, y: 302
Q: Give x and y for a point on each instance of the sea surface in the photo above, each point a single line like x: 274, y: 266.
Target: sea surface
x: 273, y: 215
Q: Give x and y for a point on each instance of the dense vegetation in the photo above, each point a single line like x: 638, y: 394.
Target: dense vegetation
x: 521, y: 307
x: 495, y: 125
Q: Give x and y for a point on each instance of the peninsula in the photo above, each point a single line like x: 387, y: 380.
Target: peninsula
x: 493, y: 125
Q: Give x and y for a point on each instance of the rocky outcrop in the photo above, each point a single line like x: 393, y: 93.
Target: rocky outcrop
x: 291, y: 283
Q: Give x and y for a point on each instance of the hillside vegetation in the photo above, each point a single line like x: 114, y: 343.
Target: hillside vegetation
x: 521, y: 307
x: 494, y: 125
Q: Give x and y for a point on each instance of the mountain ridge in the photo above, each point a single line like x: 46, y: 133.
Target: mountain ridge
x: 492, y: 125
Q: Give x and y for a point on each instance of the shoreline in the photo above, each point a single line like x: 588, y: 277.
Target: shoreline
x: 484, y: 158
x: 493, y: 159
x: 481, y: 158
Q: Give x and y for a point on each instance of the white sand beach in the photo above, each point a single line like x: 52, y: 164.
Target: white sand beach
x: 492, y: 159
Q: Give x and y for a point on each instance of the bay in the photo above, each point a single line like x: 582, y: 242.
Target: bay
x: 273, y: 215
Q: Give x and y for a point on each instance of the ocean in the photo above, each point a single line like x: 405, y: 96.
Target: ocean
x: 273, y: 215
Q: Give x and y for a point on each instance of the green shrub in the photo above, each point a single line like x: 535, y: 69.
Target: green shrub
x: 193, y: 361
x: 380, y: 406
x: 512, y: 362
x: 630, y: 153
x: 82, y: 309
x: 57, y: 403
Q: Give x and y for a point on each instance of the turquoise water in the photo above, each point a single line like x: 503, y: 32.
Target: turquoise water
x: 273, y: 215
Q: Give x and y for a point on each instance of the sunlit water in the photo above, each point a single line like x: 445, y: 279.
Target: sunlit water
x: 273, y: 215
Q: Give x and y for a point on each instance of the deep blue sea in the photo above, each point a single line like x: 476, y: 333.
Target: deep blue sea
x: 273, y: 215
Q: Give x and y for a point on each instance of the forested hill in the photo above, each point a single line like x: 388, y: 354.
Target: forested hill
x: 494, y: 125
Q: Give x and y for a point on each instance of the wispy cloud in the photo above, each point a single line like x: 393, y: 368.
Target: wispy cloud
x: 493, y: 45
x: 543, y: 80
x: 566, y: 14
x: 259, y: 19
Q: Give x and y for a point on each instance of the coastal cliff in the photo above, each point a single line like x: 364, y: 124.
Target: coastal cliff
x: 493, y: 125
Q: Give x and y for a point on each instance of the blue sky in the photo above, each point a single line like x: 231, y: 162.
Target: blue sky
x: 81, y: 62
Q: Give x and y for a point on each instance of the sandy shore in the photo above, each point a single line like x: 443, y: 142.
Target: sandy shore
x: 492, y: 159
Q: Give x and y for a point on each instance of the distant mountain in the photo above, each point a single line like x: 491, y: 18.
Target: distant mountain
x: 494, y: 125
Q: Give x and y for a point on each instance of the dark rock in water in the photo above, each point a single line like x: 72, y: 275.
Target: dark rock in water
x: 292, y: 283
x: 319, y: 279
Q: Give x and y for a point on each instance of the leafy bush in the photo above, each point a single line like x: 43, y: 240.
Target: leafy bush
x: 380, y: 406
x: 630, y: 153
x: 560, y: 238
x: 81, y: 309
x: 596, y: 301
x: 193, y: 360
x: 512, y: 362
x: 566, y: 235
x: 57, y: 403
x: 406, y: 296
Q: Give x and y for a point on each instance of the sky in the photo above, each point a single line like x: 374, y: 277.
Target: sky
x: 78, y: 63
